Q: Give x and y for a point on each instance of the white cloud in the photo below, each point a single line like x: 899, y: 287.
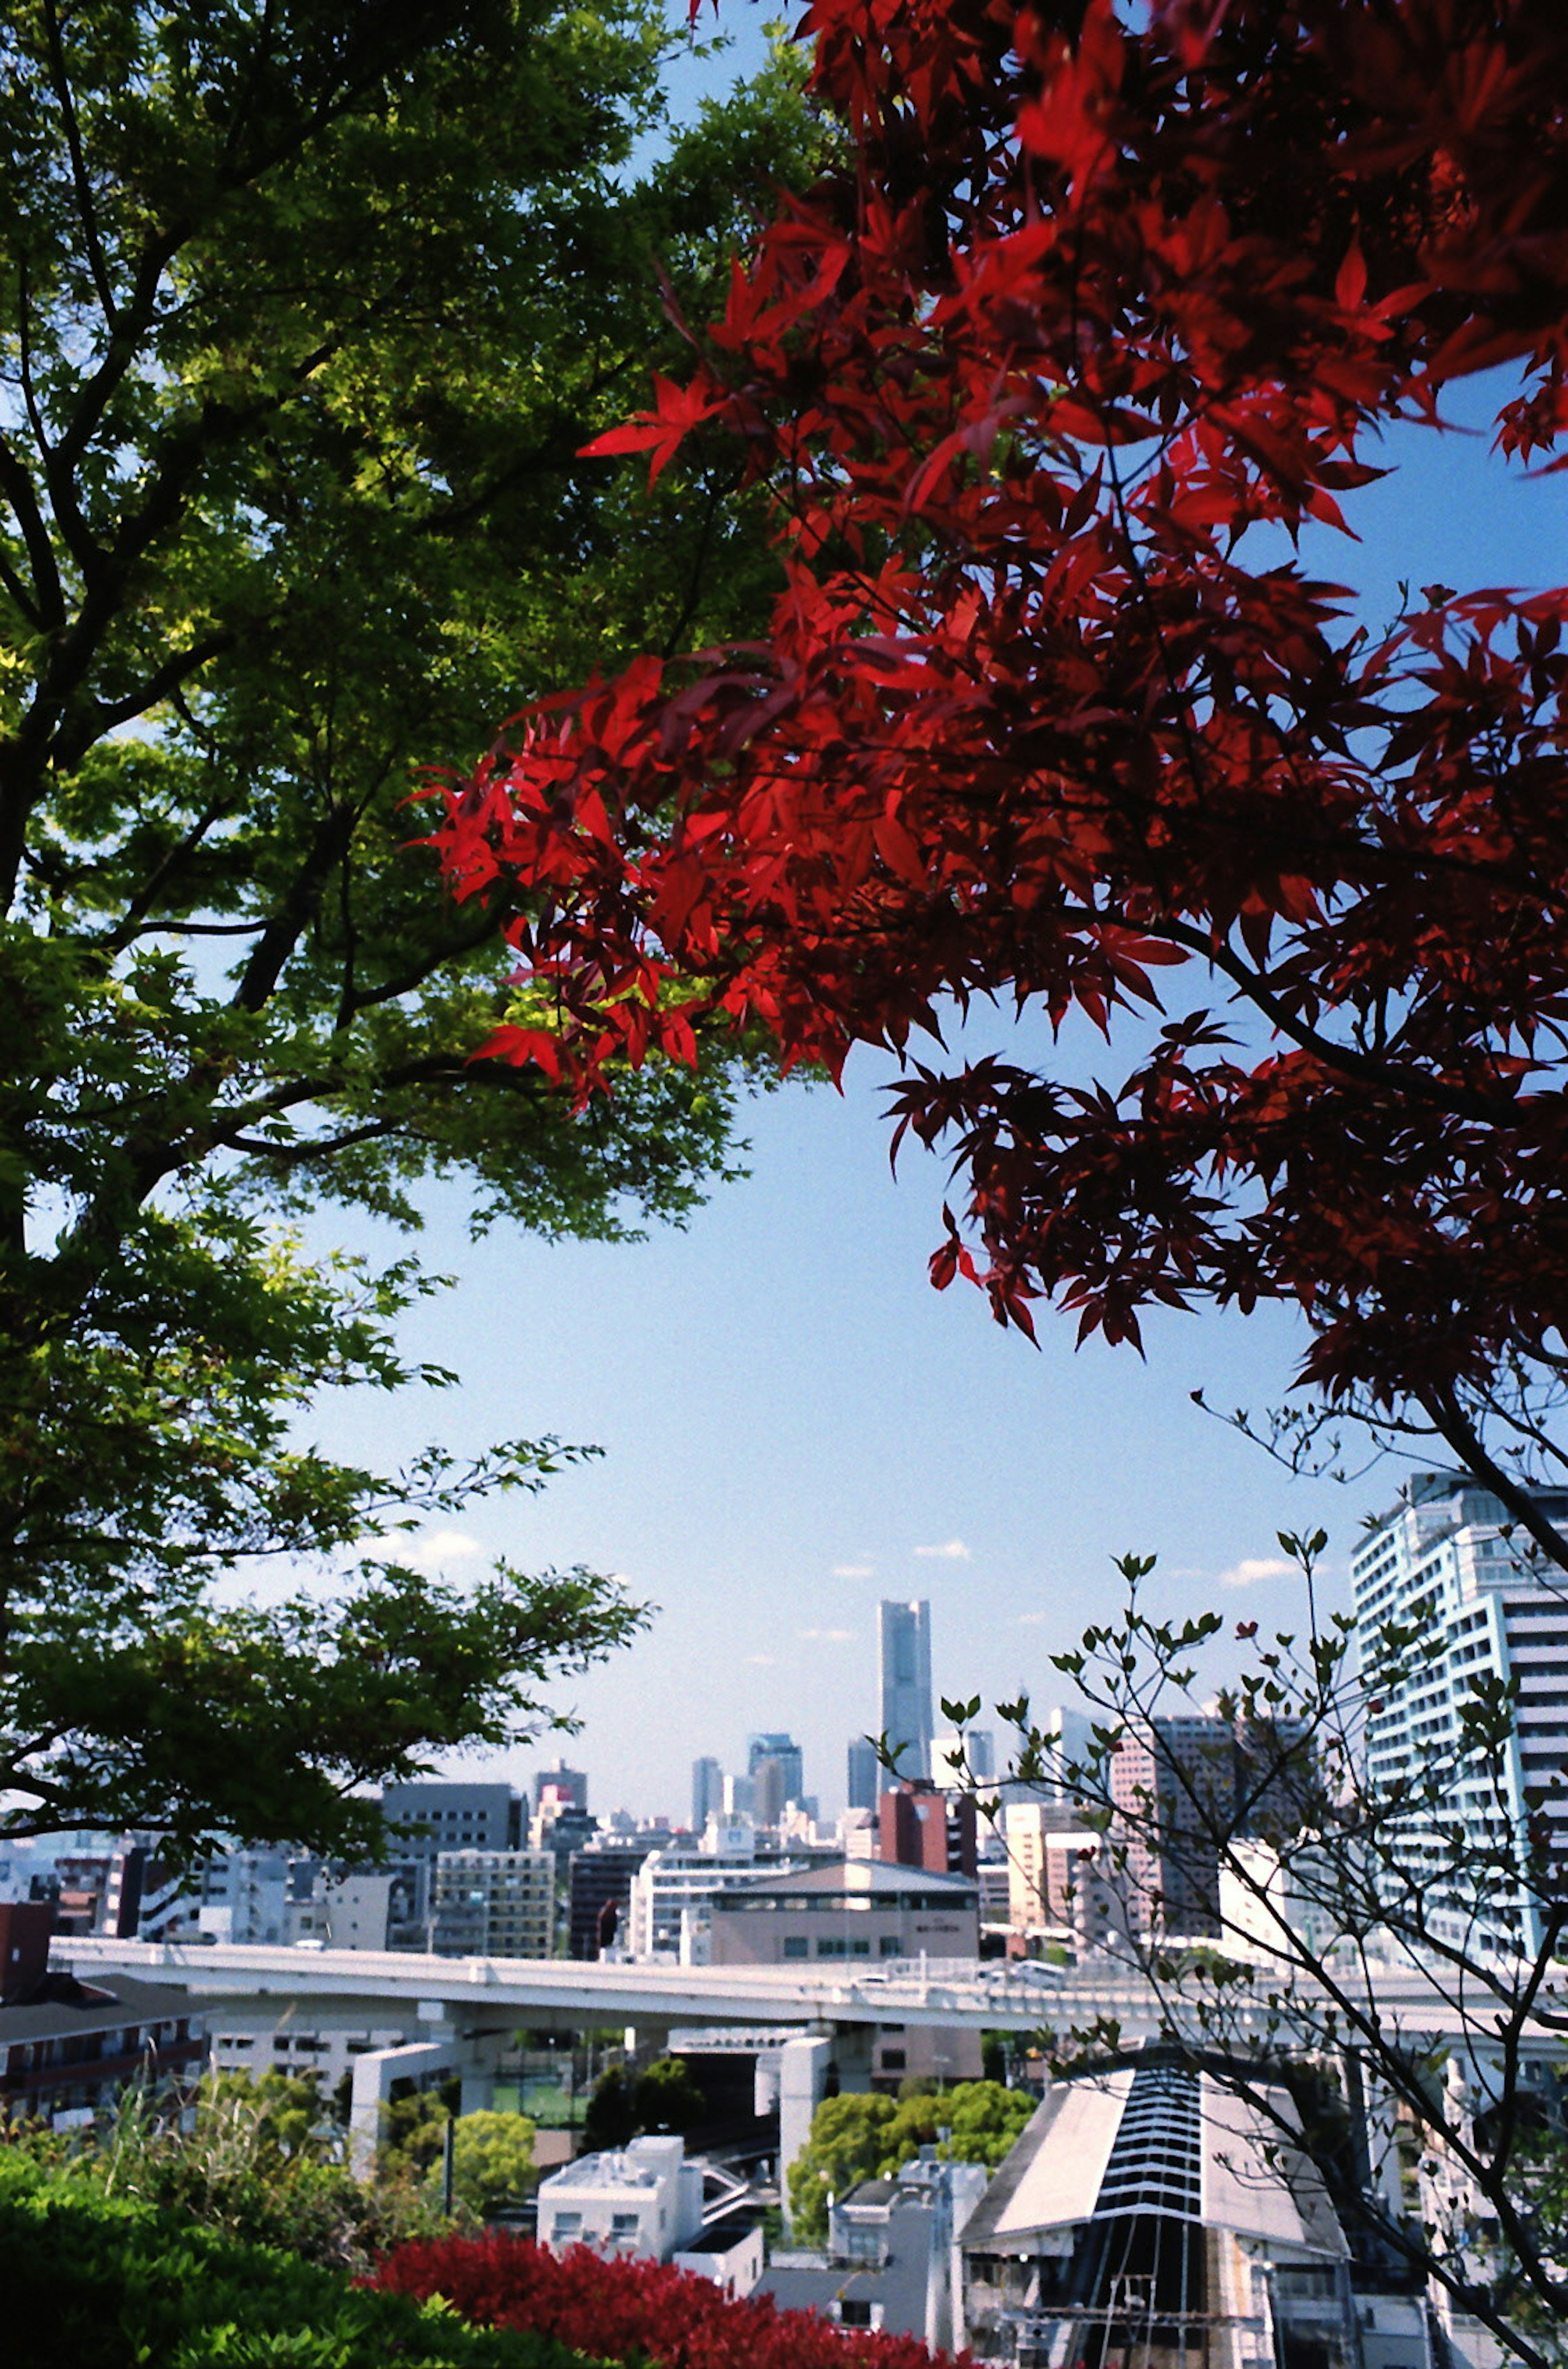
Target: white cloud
x: 1247, y: 1572
x: 760, y: 1661
x: 1033, y: 1620
x: 854, y: 1571
x: 952, y: 1551
x: 827, y: 1636
x: 442, y: 1546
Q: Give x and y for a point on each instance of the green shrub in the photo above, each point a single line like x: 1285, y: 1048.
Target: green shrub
x: 263, y: 2161
x: 91, y: 2281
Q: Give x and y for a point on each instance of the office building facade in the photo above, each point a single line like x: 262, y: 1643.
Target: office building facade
x: 600, y: 1890
x: 956, y: 1759
x: 559, y: 1789
x: 707, y: 1792
x: 443, y: 1817
x: 862, y: 1774
x: 1183, y: 1788
x: 917, y: 1826
x: 904, y: 1659
x: 1450, y: 1559
x: 785, y: 1750
x: 494, y: 1904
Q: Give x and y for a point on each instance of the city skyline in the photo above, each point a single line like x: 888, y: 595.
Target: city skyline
x: 795, y: 1425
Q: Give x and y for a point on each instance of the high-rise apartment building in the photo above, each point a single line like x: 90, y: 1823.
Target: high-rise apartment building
x: 1183, y: 1787
x: 494, y: 1904
x: 904, y: 1653
x: 707, y: 1792
x: 1440, y: 1560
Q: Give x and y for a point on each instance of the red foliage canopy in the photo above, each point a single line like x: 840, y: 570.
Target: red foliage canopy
x: 632, y: 2311
x: 1042, y: 716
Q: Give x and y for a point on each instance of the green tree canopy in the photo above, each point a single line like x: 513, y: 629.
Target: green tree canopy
x: 866, y: 2136
x: 304, y: 313
x: 667, y: 2096
x: 610, y: 2119
x: 492, y: 2162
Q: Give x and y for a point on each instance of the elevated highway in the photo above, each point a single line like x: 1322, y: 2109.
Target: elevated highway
x: 456, y: 2015
x: 564, y: 1995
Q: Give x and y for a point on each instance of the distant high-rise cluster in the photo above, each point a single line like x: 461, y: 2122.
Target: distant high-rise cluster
x: 766, y: 1793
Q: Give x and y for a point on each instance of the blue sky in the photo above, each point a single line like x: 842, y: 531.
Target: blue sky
x: 795, y: 1424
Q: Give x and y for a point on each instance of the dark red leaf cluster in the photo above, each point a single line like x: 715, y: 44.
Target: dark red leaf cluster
x: 1043, y: 716
x: 618, y: 2310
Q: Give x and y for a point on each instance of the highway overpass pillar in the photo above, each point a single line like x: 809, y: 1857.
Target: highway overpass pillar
x: 479, y: 2089
x: 809, y: 2069
x: 425, y: 2065
x: 803, y: 2066
x: 1374, y: 2133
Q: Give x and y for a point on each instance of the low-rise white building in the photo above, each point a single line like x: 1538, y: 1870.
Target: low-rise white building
x: 644, y: 2200
x: 254, y: 2043
x: 729, y: 2252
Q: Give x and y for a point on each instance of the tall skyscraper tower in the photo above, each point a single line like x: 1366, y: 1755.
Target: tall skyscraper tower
x: 904, y: 1641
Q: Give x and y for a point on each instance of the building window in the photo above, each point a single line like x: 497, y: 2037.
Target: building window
x: 623, y: 2225
x: 894, y: 2060
x: 567, y: 2225
x: 794, y: 1945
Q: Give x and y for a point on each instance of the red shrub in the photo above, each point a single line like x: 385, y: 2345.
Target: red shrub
x: 619, y: 2310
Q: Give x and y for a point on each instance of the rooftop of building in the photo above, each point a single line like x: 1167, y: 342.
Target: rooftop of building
x: 640, y: 2164
x: 872, y: 1880
x: 1154, y: 2137
x: 718, y: 2236
x: 65, y: 2005
x: 899, y: 2284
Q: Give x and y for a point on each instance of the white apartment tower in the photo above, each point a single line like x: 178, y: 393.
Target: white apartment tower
x: 904, y: 1643
x: 1441, y: 1562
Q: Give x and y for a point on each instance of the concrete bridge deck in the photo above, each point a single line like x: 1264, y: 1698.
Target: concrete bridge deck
x: 556, y: 1994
